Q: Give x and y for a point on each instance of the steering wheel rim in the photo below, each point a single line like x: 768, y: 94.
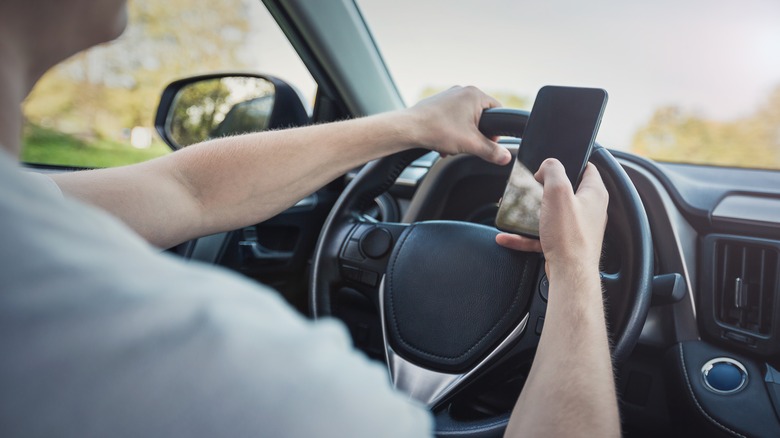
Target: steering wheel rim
x: 625, y: 210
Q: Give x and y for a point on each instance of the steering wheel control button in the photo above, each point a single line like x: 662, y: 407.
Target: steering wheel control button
x: 544, y: 287
x: 352, y: 274
x: 360, y: 230
x: 352, y: 251
x: 369, y: 278
x: 539, y: 325
x: 360, y: 276
x: 724, y: 375
x: 376, y: 243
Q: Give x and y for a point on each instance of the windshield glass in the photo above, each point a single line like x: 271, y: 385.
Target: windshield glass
x: 694, y: 81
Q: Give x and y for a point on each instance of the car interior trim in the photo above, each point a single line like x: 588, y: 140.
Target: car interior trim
x: 209, y: 249
x: 748, y: 209
x: 301, y: 47
x: 348, y: 57
x: 305, y: 204
x: 680, y: 230
x: 696, y: 194
x: 411, y: 176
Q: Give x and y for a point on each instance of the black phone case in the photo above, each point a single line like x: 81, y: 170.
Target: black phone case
x: 563, y: 124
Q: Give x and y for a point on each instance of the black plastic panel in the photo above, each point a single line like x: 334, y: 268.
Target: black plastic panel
x: 747, y: 319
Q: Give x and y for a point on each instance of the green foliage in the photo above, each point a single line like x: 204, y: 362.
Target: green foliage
x: 220, y: 107
x: 195, y: 109
x: 673, y: 135
x: 46, y: 146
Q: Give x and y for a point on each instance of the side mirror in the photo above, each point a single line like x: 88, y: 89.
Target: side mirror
x: 200, y: 108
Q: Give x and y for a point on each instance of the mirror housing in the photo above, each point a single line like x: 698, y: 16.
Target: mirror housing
x: 200, y: 108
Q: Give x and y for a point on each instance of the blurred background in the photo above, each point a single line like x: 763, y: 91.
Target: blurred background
x: 689, y: 80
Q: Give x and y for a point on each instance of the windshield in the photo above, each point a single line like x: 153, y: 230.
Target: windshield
x: 695, y: 81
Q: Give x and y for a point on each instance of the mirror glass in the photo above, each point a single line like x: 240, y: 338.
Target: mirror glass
x: 219, y: 107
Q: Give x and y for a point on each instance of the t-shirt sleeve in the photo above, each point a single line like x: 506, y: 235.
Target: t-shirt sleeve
x: 44, y: 182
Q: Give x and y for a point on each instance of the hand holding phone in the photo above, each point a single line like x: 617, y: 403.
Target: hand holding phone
x: 563, y: 125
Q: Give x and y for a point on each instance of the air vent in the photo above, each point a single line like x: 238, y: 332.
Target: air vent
x: 746, y: 283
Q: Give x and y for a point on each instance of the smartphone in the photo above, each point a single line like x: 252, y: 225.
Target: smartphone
x: 563, y: 125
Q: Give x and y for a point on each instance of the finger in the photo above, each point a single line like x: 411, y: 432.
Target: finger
x: 485, y: 100
x: 496, y: 153
x: 490, y: 102
x: 518, y: 243
x: 490, y: 150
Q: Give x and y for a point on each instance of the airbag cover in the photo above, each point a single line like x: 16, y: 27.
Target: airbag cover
x: 452, y: 294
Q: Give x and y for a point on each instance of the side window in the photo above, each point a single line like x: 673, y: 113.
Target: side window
x: 97, y: 108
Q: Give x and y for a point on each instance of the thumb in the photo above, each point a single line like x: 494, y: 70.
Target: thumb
x: 552, y: 174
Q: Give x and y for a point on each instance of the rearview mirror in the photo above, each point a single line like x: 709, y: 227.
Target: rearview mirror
x: 197, y: 109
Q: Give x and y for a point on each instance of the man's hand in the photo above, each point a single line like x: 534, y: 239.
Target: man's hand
x: 572, y: 366
x: 571, y: 226
x: 448, y: 121
x: 233, y: 182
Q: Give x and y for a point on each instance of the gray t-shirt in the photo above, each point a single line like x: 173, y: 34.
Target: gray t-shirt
x: 101, y: 335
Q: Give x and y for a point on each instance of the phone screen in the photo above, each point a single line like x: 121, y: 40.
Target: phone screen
x: 563, y: 125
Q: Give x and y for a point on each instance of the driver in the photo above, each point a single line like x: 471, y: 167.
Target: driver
x: 103, y: 335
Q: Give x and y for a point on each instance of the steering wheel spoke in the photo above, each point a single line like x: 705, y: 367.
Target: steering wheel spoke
x: 430, y: 387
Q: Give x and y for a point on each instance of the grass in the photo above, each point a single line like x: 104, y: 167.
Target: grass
x: 46, y: 146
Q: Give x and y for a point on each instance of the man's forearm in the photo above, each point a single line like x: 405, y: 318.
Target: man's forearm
x: 570, y: 389
x: 234, y: 182
x: 256, y: 177
x: 231, y: 182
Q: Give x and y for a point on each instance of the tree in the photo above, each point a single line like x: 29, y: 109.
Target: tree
x: 195, y: 110
x: 673, y: 134
x: 220, y: 107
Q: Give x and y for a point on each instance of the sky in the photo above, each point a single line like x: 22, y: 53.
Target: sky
x: 716, y: 58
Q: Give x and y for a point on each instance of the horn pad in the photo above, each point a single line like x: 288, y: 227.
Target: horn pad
x: 452, y: 294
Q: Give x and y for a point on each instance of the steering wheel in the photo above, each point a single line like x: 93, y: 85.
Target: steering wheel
x: 456, y: 307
